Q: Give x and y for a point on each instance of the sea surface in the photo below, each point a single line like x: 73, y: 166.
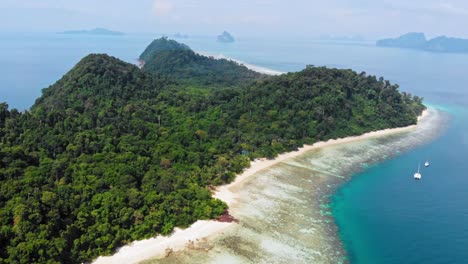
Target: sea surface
x: 382, y: 215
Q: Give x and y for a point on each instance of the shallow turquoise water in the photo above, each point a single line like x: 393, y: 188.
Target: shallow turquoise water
x: 382, y: 214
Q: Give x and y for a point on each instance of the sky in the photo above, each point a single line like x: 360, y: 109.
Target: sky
x: 368, y: 18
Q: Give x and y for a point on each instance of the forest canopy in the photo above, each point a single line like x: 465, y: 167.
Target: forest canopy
x: 168, y: 58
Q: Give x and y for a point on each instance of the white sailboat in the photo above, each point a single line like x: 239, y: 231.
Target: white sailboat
x: 426, y: 164
x: 417, y: 175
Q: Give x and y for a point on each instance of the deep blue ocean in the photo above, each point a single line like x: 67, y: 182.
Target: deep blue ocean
x: 383, y: 215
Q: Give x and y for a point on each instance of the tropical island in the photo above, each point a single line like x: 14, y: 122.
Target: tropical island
x: 96, y: 31
x: 112, y: 153
x: 419, y: 41
x: 225, y: 37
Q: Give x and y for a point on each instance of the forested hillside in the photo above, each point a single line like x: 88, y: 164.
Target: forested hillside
x: 111, y: 153
x: 178, y: 62
x: 317, y: 104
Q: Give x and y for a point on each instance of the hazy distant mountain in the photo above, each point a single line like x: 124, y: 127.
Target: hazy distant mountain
x: 225, y: 37
x: 419, y: 41
x: 445, y: 44
x: 409, y: 40
x: 96, y: 31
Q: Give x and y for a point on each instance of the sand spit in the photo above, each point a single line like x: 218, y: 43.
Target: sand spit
x: 252, y: 67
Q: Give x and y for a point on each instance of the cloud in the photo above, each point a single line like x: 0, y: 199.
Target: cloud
x: 345, y: 12
x: 450, y: 9
x: 433, y: 7
x: 163, y: 7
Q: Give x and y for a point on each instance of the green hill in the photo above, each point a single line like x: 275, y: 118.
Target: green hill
x: 111, y: 153
x: 161, y: 45
x: 97, y: 78
x: 317, y: 104
x: 177, y: 61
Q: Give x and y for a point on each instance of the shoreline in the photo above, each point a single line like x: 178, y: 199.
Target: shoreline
x: 141, y: 63
x: 252, y: 67
x: 257, y: 165
x: 162, y: 246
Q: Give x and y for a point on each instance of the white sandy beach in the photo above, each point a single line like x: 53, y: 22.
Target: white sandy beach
x: 223, y: 193
x: 252, y: 67
x: 178, y: 240
x: 267, y: 71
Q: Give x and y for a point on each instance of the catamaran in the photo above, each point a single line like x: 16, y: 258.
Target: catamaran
x: 417, y: 175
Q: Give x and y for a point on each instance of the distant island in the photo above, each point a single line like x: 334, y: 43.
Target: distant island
x: 225, y: 37
x: 96, y: 31
x: 419, y: 41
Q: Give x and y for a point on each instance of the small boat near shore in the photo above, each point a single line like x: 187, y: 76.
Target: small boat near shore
x: 417, y: 175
